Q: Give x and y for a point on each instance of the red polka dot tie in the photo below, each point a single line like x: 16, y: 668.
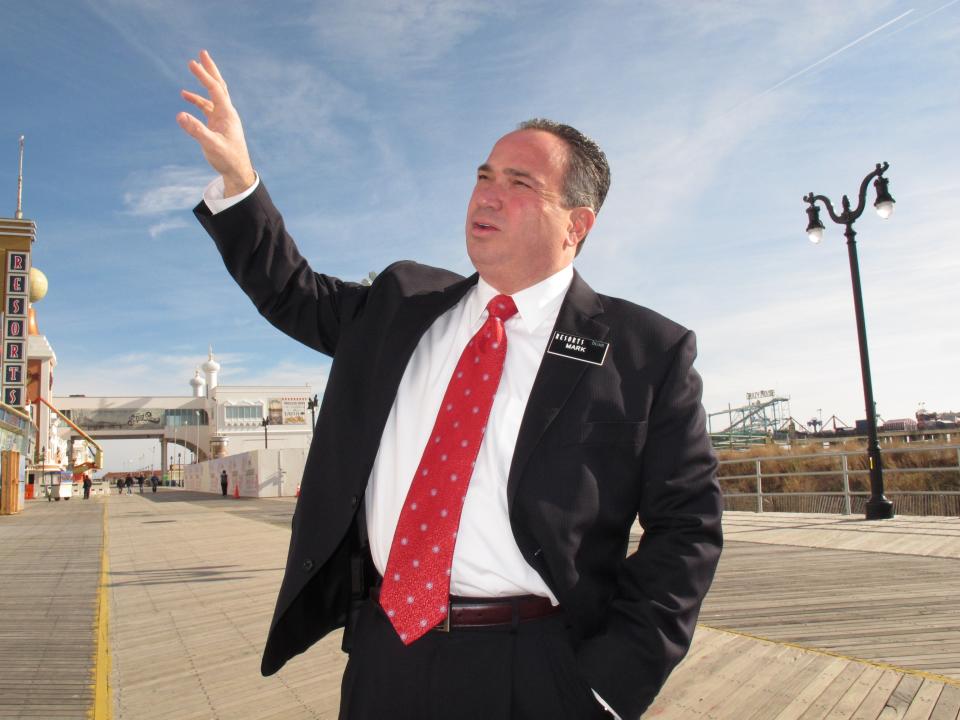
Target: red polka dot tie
x: 416, y: 584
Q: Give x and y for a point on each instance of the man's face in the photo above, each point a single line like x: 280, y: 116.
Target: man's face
x: 518, y: 231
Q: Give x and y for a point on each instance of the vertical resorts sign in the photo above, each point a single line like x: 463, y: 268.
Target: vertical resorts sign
x: 16, y: 237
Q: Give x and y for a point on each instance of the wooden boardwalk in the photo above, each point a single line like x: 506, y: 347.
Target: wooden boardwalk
x: 876, y: 606
x: 811, y: 617
x: 193, y: 580
x: 795, y: 628
x: 49, y: 569
x: 733, y: 677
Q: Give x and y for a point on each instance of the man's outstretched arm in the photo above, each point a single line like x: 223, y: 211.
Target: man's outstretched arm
x: 251, y: 237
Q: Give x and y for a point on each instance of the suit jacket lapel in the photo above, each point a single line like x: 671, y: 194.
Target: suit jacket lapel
x: 557, y: 375
x: 401, y: 339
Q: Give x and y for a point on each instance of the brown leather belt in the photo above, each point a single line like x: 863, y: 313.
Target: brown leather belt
x: 490, y: 612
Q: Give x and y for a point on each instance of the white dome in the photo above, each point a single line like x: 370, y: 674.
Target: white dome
x: 211, y: 365
x: 197, y: 381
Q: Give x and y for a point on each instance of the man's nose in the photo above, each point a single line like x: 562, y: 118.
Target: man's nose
x: 489, y: 197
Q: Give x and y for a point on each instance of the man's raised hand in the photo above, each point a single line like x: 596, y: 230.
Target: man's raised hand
x: 221, y: 139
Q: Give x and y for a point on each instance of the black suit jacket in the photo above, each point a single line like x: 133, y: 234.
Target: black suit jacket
x: 598, y: 446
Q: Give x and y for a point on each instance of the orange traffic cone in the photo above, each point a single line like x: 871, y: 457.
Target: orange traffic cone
x: 236, y: 490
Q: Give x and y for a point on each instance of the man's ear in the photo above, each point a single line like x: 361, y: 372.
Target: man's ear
x: 581, y: 222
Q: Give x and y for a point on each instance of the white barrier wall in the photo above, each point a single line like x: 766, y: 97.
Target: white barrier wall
x: 259, y: 473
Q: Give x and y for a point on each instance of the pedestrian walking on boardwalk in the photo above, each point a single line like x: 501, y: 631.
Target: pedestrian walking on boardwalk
x: 223, y: 482
x: 154, y: 481
x: 120, y: 485
x: 128, y: 483
x: 87, y: 482
x: 140, y: 481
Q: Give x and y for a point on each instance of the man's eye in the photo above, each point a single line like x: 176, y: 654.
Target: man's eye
x: 521, y: 183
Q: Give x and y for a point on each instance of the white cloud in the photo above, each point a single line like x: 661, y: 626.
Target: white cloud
x: 168, y: 373
x: 129, y: 18
x: 171, y: 188
x: 295, y: 112
x: 404, y: 36
x: 131, y: 374
x: 283, y: 373
x: 162, y: 227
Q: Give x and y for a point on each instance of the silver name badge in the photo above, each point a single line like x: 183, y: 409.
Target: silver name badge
x: 578, y: 348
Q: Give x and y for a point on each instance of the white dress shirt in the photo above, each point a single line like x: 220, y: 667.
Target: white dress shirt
x: 486, y: 559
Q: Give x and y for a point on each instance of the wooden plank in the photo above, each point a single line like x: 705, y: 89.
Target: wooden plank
x: 826, y: 700
x: 774, y: 685
x: 808, y: 695
x: 855, y: 696
x: 879, y: 698
x: 713, y: 691
x: 924, y: 702
x: 901, y: 698
x: 948, y: 704
x: 709, y: 652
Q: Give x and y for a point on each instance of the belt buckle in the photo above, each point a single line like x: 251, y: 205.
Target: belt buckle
x: 444, y: 625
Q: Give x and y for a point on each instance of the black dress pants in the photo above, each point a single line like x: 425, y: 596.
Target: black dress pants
x: 491, y: 673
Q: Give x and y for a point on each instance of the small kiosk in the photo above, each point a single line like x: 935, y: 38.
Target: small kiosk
x: 16, y: 433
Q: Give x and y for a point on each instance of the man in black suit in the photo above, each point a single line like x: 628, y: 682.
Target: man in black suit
x: 596, y: 421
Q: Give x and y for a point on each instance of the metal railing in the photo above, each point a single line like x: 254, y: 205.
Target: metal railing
x: 837, y: 496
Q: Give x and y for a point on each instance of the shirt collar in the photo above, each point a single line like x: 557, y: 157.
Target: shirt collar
x: 535, y: 304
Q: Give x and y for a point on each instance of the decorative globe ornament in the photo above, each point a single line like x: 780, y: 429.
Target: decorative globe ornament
x: 38, y: 285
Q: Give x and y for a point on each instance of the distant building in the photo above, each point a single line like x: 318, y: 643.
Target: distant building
x: 899, y: 425
x: 215, y: 421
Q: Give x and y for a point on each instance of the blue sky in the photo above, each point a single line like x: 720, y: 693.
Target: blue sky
x: 366, y: 120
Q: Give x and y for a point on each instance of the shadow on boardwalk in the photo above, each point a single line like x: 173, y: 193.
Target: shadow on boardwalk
x: 170, y: 494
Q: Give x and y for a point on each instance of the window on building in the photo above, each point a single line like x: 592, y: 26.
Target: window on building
x: 243, y: 413
x: 185, y: 417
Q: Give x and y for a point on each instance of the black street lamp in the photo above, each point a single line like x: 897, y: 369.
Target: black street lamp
x: 265, y: 422
x: 878, y: 506
x: 312, y: 404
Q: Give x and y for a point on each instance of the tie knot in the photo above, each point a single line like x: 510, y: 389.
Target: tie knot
x: 502, y: 307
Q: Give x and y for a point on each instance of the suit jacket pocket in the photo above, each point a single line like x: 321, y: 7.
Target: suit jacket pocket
x: 616, y: 432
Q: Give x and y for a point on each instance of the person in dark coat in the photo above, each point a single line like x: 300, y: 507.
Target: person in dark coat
x: 154, y: 481
x: 87, y: 483
x: 128, y: 484
x: 597, y: 424
x: 140, y: 481
x: 223, y: 482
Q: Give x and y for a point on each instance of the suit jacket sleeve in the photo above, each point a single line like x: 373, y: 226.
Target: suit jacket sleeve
x: 265, y: 262
x: 651, y: 618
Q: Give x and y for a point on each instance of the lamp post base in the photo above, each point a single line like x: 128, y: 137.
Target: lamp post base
x: 879, y: 508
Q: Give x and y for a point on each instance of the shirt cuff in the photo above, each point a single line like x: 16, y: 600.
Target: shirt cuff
x: 216, y: 202
x: 605, y: 706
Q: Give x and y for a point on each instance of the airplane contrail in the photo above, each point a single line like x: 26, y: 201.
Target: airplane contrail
x: 834, y: 54
x: 924, y: 17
